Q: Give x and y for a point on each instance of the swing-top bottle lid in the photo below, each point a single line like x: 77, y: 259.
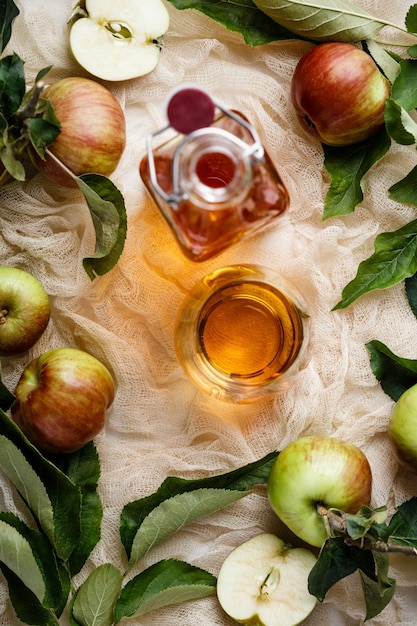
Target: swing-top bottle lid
x: 191, y: 112
x: 190, y: 108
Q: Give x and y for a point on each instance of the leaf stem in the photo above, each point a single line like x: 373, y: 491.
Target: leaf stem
x: 355, y: 13
x: 335, y: 523
x: 394, y: 44
x: 29, y: 110
x: 381, y: 546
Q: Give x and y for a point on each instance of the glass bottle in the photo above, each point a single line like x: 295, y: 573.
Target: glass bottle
x: 214, y: 183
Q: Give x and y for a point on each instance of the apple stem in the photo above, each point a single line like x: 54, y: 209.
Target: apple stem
x: 62, y: 165
x: 334, y: 520
x: 29, y: 110
x: 3, y: 316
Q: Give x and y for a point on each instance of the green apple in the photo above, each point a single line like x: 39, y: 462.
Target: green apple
x: 24, y: 310
x: 118, y: 40
x: 264, y: 582
x: 313, y: 474
x: 402, y: 427
x: 61, y: 399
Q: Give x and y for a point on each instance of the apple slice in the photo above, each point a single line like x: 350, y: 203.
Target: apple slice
x: 265, y: 582
x: 118, y: 40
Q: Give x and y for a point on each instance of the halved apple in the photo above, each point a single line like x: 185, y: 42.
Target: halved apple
x: 264, y: 582
x: 118, y: 40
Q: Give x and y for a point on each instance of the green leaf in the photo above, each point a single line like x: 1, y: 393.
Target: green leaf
x: 26, y: 605
x: 399, y: 124
x: 41, y: 133
x: 8, y: 13
x: 42, y: 124
x: 402, y: 529
x: 243, y: 17
x: 56, y: 581
x: 389, y: 66
x: 90, y: 532
x: 63, y: 495
x: 394, y: 259
x: 83, y: 469
x: 358, y: 525
x: 336, y: 561
x: 12, y: 84
x: 95, y: 599
x: 16, y: 553
x: 347, y: 168
x: 404, y: 88
x: 167, y: 582
x: 245, y: 477
x: 406, y: 189
x: 411, y: 292
x: 378, y: 593
x: 322, y: 20
x: 394, y: 373
x: 11, y: 163
x: 27, y: 482
x: 109, y: 217
x: 175, y: 512
x: 411, y: 19
x: 42, y: 73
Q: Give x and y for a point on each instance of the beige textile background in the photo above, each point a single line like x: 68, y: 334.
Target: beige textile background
x: 160, y: 424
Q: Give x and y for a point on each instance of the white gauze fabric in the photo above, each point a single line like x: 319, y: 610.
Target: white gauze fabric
x: 160, y: 424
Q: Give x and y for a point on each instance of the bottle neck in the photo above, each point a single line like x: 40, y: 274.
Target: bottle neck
x: 212, y: 168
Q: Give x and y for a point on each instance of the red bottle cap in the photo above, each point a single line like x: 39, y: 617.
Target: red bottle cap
x: 189, y: 109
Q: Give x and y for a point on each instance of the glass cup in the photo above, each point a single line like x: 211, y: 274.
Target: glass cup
x: 241, y: 332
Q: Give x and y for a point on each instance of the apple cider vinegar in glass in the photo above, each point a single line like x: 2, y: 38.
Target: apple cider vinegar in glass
x: 239, y: 332
x: 212, y: 181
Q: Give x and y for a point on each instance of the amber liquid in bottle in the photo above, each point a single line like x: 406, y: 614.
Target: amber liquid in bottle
x: 203, y: 232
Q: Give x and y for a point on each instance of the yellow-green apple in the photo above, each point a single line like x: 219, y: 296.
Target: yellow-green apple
x: 264, y: 582
x: 118, y: 40
x: 313, y: 474
x: 93, y: 130
x: 339, y: 93
x: 402, y: 428
x: 61, y: 399
x: 24, y: 310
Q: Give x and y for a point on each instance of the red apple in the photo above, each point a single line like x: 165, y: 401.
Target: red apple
x: 339, y: 93
x: 24, y: 310
x: 61, y: 400
x: 93, y: 130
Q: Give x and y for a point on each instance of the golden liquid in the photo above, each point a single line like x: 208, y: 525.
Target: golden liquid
x: 250, y: 331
